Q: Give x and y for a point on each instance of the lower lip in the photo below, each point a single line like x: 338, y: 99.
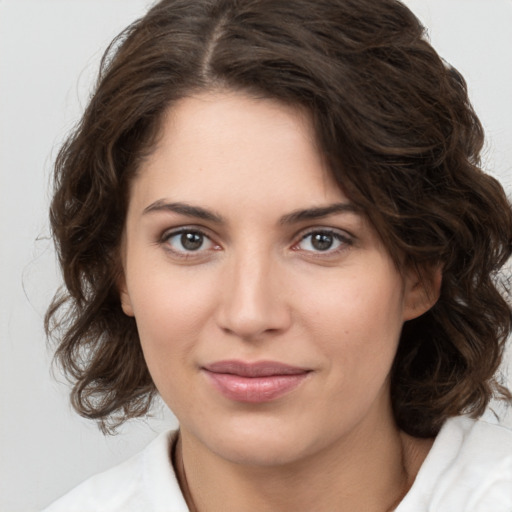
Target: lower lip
x: 254, y: 389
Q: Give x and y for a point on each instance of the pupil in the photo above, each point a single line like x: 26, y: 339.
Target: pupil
x: 322, y: 241
x: 191, y: 241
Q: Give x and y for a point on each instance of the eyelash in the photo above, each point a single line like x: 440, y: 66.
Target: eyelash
x: 345, y: 241
x: 168, y: 235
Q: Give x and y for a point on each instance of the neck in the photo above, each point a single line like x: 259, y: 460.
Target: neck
x: 371, y: 471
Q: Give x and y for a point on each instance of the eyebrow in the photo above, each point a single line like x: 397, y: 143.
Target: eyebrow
x: 290, y: 218
x: 184, y: 209
x: 318, y: 212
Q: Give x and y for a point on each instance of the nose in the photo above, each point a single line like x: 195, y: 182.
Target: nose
x: 253, y: 304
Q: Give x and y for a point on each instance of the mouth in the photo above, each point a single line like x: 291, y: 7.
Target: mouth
x: 258, y: 382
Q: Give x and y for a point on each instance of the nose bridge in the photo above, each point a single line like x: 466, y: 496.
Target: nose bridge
x: 252, y: 300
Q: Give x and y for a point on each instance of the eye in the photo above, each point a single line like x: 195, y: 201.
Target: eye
x: 188, y: 241
x: 323, y: 241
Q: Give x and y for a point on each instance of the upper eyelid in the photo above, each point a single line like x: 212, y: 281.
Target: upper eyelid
x: 168, y: 233
x: 183, y: 254
x: 346, y: 240
x: 324, y: 229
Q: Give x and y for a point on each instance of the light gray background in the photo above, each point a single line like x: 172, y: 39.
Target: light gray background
x: 49, y: 52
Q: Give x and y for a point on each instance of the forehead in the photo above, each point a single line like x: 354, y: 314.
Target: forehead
x: 231, y: 147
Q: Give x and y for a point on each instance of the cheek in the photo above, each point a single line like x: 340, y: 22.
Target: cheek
x: 170, y: 311
x: 356, y: 327
x: 358, y: 319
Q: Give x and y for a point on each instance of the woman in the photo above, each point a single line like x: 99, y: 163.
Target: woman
x: 272, y: 215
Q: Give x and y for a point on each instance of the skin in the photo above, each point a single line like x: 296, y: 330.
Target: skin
x: 259, y: 289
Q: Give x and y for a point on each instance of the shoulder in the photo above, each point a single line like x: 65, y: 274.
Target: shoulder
x: 146, y: 482
x: 468, y: 469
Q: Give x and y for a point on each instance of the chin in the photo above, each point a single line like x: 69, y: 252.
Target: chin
x: 263, y: 451
x: 262, y: 443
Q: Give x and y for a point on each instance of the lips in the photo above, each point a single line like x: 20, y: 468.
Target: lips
x: 258, y: 382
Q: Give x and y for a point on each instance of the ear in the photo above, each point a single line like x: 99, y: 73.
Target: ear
x: 126, y: 303
x: 422, y: 290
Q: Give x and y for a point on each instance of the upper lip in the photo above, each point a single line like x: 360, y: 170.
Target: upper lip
x: 254, y: 369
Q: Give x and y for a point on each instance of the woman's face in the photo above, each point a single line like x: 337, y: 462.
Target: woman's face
x: 269, y: 311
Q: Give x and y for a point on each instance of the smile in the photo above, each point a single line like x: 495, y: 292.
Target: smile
x: 254, y: 382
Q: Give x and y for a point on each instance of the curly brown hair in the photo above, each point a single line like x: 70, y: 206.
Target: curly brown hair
x: 395, y: 124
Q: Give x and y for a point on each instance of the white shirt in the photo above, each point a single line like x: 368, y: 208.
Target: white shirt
x: 468, y: 469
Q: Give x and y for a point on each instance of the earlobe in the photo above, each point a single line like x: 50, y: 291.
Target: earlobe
x: 126, y: 303
x: 422, y: 290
